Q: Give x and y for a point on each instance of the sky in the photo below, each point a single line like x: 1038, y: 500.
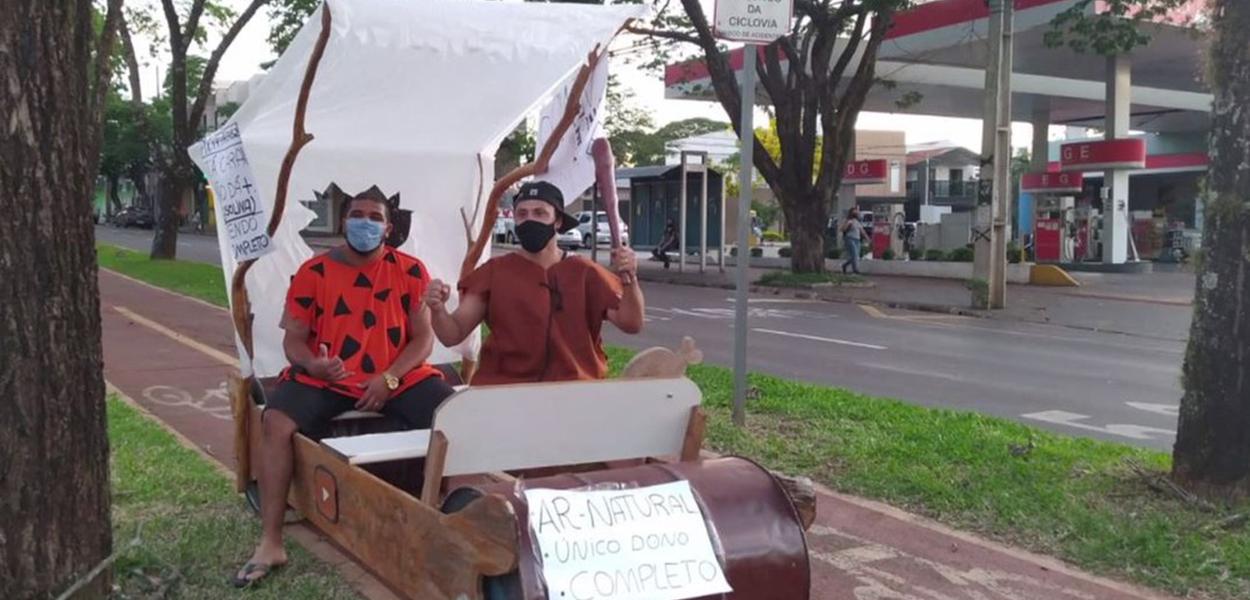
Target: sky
x: 250, y: 49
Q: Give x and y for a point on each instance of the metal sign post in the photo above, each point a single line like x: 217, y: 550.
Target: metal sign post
x: 747, y: 149
x: 751, y: 22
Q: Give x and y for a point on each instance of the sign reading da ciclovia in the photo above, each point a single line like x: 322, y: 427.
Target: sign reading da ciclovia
x: 239, y: 209
x: 753, y: 21
x: 648, y: 543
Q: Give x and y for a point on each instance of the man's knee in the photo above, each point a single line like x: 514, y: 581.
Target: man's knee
x: 276, y: 425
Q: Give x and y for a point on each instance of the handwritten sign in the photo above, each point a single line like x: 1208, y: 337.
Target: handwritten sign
x: 239, y: 209
x: 572, y: 168
x: 641, y: 544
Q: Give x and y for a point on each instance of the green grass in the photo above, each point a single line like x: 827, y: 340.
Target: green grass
x: 804, y: 280
x: 180, y: 528
x: 1073, y: 498
x: 198, y: 280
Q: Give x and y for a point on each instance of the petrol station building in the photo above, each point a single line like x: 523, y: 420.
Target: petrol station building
x: 1127, y: 191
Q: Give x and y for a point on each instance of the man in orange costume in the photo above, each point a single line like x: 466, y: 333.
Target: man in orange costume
x: 357, y: 337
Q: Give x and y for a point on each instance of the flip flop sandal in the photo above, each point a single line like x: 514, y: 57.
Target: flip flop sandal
x: 250, y: 568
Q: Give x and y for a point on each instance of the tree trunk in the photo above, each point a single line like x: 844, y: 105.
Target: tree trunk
x: 1212, y: 451
x: 176, y: 183
x: 805, y: 222
x: 54, y: 486
x: 114, y: 199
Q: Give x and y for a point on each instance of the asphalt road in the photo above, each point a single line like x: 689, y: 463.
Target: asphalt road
x: 1109, y: 386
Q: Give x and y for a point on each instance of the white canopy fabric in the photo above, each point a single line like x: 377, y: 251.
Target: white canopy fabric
x: 413, y: 97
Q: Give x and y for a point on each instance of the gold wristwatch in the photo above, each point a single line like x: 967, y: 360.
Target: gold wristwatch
x: 392, y: 382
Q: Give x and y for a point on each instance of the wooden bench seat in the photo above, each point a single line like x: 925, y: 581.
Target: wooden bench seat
x: 380, y: 447
x: 493, y: 429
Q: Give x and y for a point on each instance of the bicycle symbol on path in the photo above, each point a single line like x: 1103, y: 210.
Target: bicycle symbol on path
x: 214, y: 402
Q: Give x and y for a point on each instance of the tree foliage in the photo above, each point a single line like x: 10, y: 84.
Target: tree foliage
x: 187, y: 27
x: 1116, y: 29
x: 816, y: 79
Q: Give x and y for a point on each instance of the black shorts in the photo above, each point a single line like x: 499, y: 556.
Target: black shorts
x: 312, y: 408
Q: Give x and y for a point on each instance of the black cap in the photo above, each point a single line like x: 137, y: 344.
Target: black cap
x: 546, y: 192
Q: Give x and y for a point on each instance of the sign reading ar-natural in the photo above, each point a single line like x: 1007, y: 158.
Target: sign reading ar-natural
x: 753, y: 21
x: 646, y: 543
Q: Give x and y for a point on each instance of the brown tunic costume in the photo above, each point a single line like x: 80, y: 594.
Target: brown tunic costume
x: 544, y: 325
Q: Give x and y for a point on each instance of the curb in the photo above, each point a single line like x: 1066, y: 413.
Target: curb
x: 811, y: 294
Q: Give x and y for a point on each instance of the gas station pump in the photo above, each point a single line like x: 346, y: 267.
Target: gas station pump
x: 1055, y: 234
x: 887, y: 230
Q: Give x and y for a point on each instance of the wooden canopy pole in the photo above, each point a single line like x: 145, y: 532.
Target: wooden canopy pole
x: 241, y: 305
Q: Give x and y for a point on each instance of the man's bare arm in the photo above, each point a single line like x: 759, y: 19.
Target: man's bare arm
x: 418, y: 349
x: 628, y: 317
x: 452, y: 328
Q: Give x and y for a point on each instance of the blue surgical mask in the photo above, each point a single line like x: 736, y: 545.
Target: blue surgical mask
x: 364, y: 235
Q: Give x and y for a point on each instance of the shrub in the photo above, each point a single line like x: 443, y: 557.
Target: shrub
x: 888, y: 254
x: 785, y: 252
x: 934, y: 254
x: 1014, y: 254
x: 757, y: 252
x: 773, y: 236
x: 833, y: 253
x: 960, y: 255
x: 915, y: 254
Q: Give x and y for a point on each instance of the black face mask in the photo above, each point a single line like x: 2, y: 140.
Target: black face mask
x: 534, y: 236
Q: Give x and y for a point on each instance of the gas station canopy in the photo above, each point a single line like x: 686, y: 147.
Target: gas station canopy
x: 938, y: 50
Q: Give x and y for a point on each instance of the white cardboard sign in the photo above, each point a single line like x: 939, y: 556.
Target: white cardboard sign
x: 646, y: 543
x: 572, y: 167
x: 753, y: 21
x: 240, y: 213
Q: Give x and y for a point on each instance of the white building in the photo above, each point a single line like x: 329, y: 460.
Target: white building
x: 719, y: 146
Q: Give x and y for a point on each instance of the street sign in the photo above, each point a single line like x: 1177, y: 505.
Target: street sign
x: 1127, y: 153
x: 866, y: 171
x: 753, y: 21
x: 1052, y: 183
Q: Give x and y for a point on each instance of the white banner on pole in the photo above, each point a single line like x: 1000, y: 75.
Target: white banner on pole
x: 240, y: 213
x: 572, y: 168
x: 646, y: 543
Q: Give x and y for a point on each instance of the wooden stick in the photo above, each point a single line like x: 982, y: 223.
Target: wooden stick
x: 240, y: 408
x: 537, y: 167
x: 695, y: 428
x: 435, y: 459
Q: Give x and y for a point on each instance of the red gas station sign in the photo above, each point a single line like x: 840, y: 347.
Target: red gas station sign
x: 1129, y: 153
x: 866, y: 171
x: 1052, y: 183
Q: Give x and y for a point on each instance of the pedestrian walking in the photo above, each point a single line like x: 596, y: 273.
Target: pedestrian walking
x: 852, y: 238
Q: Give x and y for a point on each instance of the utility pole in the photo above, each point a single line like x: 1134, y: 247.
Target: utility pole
x: 1002, y: 162
x: 984, y: 258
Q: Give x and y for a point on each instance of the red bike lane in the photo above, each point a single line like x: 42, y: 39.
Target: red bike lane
x: 172, y: 354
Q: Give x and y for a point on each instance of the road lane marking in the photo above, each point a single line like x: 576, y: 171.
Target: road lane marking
x: 1166, y: 410
x: 817, y: 338
x: 911, y: 371
x: 776, y: 301
x: 1070, y: 419
x: 177, y: 337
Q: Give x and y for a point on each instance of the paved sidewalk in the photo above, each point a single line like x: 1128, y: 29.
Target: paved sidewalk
x: 1156, y: 305
x: 171, y: 355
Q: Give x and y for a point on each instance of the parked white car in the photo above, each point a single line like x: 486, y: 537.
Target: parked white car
x: 505, y: 228
x: 571, y: 239
x: 603, y: 234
